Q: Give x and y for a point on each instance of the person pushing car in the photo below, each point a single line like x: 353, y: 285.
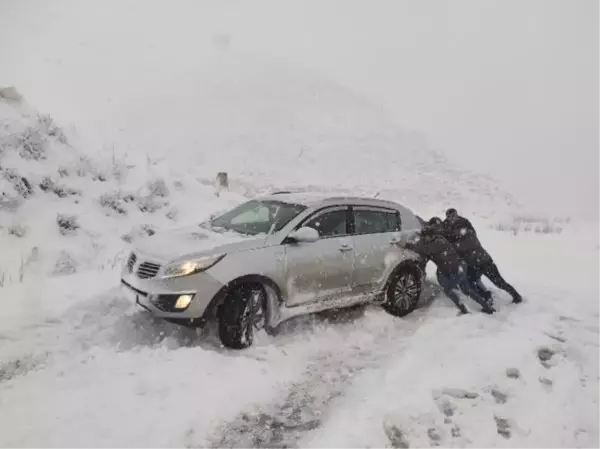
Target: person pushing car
x: 462, y: 235
x: 451, y: 269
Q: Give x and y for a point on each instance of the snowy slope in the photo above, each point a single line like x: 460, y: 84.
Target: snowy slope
x: 81, y: 366
x: 64, y: 210
x: 271, y: 124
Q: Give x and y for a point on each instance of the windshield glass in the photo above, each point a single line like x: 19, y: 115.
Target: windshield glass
x: 258, y: 217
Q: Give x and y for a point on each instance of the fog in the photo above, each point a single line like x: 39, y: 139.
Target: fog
x: 509, y: 88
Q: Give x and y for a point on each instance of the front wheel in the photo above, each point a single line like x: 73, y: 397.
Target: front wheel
x: 241, y: 315
x: 403, y: 291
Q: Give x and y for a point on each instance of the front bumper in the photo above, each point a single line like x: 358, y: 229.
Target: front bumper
x: 158, y: 296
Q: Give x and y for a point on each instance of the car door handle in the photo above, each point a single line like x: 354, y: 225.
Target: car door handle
x: 394, y: 241
x: 345, y: 247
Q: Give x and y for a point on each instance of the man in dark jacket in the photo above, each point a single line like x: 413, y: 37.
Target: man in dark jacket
x: 461, y: 233
x: 451, y: 270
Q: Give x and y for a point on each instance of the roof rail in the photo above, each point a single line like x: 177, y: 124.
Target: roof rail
x: 280, y: 192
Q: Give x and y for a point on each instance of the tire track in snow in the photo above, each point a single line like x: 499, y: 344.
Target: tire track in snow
x: 303, y: 408
x: 106, y: 319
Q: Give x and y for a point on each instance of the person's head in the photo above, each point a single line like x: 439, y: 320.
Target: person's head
x: 432, y: 227
x: 451, y: 214
x: 434, y: 221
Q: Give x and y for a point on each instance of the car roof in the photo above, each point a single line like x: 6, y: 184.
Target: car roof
x: 315, y: 199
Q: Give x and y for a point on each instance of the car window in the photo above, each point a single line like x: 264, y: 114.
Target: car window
x: 258, y: 217
x: 369, y: 221
x: 330, y: 224
x: 258, y: 214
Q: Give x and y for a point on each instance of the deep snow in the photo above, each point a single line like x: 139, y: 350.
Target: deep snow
x: 80, y: 366
x: 140, y: 120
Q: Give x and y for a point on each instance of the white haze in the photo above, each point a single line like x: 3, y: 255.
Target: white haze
x: 507, y: 88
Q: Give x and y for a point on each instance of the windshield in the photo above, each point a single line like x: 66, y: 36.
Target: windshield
x: 258, y: 217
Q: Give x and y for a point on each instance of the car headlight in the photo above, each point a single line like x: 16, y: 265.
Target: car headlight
x: 191, y: 266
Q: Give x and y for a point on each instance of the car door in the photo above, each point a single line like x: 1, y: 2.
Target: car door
x: 321, y: 270
x: 377, y: 231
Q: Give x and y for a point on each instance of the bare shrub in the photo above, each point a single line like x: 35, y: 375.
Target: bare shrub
x: 113, y: 201
x: 49, y: 126
x: 150, y: 204
x: 67, y: 224
x: 19, y: 183
x: 47, y: 185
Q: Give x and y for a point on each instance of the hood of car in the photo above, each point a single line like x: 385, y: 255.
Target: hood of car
x: 194, y: 241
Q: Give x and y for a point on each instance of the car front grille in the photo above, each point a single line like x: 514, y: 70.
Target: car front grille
x: 147, y: 270
x: 131, y: 262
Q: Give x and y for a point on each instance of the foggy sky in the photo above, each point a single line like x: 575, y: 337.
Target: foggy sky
x: 506, y: 87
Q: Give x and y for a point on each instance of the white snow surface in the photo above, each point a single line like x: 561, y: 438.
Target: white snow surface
x: 81, y: 366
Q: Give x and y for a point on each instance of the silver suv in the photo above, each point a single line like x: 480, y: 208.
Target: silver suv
x: 276, y: 257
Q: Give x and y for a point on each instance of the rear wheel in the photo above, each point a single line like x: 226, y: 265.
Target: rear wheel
x: 403, y: 291
x: 241, y: 315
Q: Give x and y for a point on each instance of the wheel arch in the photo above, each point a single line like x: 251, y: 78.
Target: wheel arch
x: 273, y: 296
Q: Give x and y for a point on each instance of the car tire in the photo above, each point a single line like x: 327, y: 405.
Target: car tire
x: 403, y: 291
x: 241, y: 314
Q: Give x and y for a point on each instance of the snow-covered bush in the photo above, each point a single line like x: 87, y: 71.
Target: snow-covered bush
x: 17, y: 230
x: 31, y: 144
x: 67, y: 224
x: 19, y: 183
x: 139, y: 231
x: 538, y: 225
x: 48, y: 185
x: 113, y: 201
x: 49, y: 127
x: 158, y: 187
x: 65, y: 264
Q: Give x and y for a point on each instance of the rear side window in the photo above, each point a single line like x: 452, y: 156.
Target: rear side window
x: 373, y: 221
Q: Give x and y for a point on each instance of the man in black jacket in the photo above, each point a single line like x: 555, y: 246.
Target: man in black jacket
x: 461, y: 233
x: 451, y: 269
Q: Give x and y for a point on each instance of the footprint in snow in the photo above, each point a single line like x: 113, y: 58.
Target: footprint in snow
x: 459, y: 393
x: 445, y: 405
x: 503, y: 427
x: 545, y: 356
x: 513, y: 373
x: 499, y: 396
x: 395, y: 435
x: 546, y: 383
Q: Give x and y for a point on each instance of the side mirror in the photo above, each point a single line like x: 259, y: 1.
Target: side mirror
x: 304, y: 235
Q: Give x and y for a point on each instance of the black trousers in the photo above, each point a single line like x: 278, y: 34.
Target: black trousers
x: 490, y: 270
x: 452, y: 284
x: 475, y: 279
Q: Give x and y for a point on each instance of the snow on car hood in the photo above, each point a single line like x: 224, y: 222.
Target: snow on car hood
x: 195, y: 241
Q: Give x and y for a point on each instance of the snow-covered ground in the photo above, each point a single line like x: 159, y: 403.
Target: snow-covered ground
x: 80, y: 366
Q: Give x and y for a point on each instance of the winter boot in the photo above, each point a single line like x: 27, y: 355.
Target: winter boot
x: 489, y: 309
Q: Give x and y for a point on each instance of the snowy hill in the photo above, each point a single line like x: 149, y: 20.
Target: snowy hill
x: 64, y: 210
x: 78, y: 361
x: 81, y: 366
x: 274, y: 125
